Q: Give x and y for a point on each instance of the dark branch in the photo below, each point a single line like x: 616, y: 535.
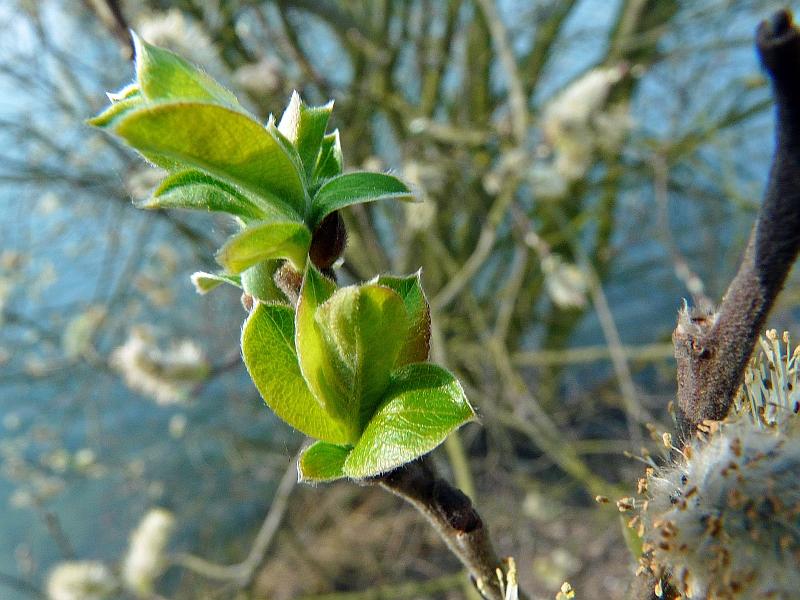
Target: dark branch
x: 452, y: 515
x: 712, y: 349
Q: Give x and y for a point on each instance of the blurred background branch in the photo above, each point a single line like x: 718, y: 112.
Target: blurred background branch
x: 585, y: 165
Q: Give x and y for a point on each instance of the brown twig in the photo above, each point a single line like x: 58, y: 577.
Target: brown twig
x: 712, y: 348
x: 454, y: 518
x: 110, y: 14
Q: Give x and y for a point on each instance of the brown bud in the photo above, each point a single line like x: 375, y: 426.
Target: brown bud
x: 328, y: 241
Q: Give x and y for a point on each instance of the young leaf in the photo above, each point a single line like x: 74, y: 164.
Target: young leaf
x: 329, y: 162
x: 423, y: 404
x: 129, y: 91
x: 315, y: 361
x: 291, y: 152
x: 198, y: 191
x: 269, y: 354
x: 259, y: 281
x: 418, y: 340
x: 205, y: 282
x: 304, y: 126
x: 222, y: 142
x: 265, y: 240
x: 117, y: 110
x: 163, y: 75
x: 355, y: 188
x: 362, y: 328
x: 322, y: 462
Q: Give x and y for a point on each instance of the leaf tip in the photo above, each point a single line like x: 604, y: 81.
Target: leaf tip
x: 95, y: 121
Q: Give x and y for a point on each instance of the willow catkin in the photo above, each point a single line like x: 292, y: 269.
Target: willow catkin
x: 723, y: 520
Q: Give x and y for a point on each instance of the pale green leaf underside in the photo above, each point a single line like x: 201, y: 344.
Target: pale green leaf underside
x: 263, y: 241
x: 197, y: 191
x: 423, y: 404
x: 219, y: 141
x: 416, y: 345
x: 322, y: 462
x: 205, y: 282
x: 356, y: 188
x: 269, y: 354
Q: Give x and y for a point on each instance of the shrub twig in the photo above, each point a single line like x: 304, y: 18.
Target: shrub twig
x: 712, y: 348
x: 454, y: 518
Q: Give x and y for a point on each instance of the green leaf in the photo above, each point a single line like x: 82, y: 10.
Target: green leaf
x: 129, y: 91
x: 362, y: 328
x: 265, y: 240
x: 418, y: 340
x: 163, y: 75
x: 269, y: 355
x: 118, y: 109
x: 355, y: 188
x: 304, y: 126
x: 259, y: 281
x: 330, y: 162
x: 221, y: 142
x: 423, y: 404
x: 205, y: 282
x: 290, y: 151
x: 322, y: 462
x: 315, y: 361
x: 198, y: 191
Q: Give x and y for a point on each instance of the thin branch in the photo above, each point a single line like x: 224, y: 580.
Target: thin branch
x: 296, y: 48
x: 397, y: 591
x: 547, y: 33
x: 619, y: 360
x: 680, y: 265
x: 482, y: 250
x: 56, y: 531
x: 110, y: 14
x: 588, y: 354
x: 245, y: 572
x: 452, y: 515
x: 516, y: 91
x: 712, y: 349
x: 16, y: 583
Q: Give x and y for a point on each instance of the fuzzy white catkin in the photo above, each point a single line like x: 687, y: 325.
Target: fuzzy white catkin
x: 167, y: 375
x: 565, y: 282
x: 146, y: 560
x: 577, y: 122
x: 80, y: 580
x: 724, y: 520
